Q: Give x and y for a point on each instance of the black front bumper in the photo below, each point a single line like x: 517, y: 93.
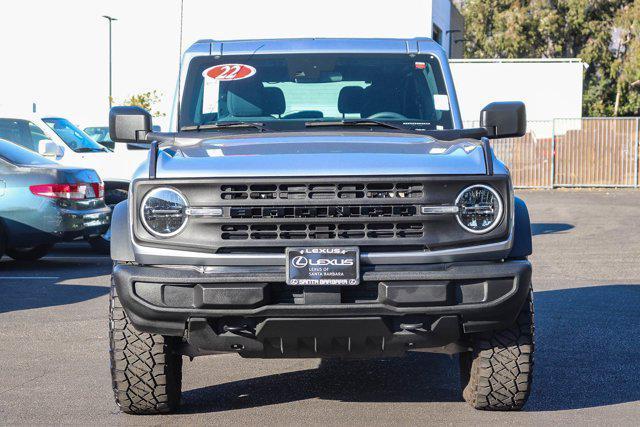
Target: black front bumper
x: 394, y: 309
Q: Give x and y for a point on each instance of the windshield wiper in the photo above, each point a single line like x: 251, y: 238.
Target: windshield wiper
x: 89, y: 150
x: 358, y: 122
x: 225, y: 125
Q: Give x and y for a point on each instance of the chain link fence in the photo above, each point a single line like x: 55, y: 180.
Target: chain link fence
x: 587, y: 152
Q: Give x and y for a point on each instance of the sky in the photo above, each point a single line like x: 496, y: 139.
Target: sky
x: 55, y: 52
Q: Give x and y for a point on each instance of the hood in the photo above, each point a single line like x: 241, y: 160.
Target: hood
x: 326, y: 154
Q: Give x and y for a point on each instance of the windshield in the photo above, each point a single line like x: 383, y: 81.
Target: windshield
x: 76, y: 139
x: 100, y: 134
x: 272, y: 89
x: 17, y: 155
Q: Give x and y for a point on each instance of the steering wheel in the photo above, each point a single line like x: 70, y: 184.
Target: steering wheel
x: 386, y: 115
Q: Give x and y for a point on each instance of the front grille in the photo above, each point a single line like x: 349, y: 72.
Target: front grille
x: 376, y: 190
x: 338, y: 211
x: 376, y: 230
x: 268, y: 213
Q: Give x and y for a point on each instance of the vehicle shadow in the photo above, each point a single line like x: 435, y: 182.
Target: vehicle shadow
x: 587, y: 345
x: 37, y: 284
x: 538, y: 228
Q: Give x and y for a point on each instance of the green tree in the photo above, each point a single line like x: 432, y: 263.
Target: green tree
x: 626, y: 66
x: 148, y: 101
x: 564, y: 28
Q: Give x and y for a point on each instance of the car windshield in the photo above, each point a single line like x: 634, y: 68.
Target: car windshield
x: 272, y: 89
x: 100, y: 134
x: 17, y: 155
x: 76, y: 139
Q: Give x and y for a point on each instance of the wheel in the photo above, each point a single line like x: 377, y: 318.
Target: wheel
x: 498, y: 374
x: 146, y: 371
x: 101, y: 244
x: 29, y: 254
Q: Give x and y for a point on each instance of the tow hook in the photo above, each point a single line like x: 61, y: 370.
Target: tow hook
x: 412, y: 327
x: 241, y: 330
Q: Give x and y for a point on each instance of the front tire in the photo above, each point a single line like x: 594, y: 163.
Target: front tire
x: 146, y: 370
x: 498, y: 374
x: 29, y: 254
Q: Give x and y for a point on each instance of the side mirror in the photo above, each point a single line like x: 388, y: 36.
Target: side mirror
x: 48, y: 148
x: 129, y: 124
x: 504, y: 119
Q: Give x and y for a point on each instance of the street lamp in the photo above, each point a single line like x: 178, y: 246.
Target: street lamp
x: 110, y: 19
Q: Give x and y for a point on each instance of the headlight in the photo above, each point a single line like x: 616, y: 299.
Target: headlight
x: 479, y: 208
x: 164, y: 212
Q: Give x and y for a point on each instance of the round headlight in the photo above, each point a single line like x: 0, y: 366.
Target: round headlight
x: 479, y: 208
x: 164, y: 212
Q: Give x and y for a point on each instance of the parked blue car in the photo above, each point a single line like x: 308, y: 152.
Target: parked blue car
x: 42, y: 202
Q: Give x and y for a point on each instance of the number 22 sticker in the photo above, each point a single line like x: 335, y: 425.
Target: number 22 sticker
x: 226, y: 72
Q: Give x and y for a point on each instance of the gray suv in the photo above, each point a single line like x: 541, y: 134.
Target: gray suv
x: 320, y: 198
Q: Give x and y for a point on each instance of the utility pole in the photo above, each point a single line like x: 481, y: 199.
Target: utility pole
x: 110, y: 19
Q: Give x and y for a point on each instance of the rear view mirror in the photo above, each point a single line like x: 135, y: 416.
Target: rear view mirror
x: 129, y: 124
x: 504, y: 119
x: 48, y: 148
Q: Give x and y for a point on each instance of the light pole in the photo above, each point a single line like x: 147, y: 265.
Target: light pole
x: 110, y: 19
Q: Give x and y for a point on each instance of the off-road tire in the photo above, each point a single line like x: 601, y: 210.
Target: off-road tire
x: 498, y: 374
x: 29, y: 254
x: 146, y: 371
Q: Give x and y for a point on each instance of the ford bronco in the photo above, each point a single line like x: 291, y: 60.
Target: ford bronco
x: 320, y: 198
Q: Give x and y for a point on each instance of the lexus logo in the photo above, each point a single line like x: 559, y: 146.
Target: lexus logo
x: 299, y: 262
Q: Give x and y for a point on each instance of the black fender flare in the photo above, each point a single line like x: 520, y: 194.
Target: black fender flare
x: 522, y: 244
x: 121, y: 245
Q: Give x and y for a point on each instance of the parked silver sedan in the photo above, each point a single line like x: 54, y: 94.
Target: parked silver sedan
x: 42, y: 202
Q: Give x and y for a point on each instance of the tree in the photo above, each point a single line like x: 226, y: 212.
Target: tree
x: 564, y: 28
x: 148, y: 101
x: 626, y: 66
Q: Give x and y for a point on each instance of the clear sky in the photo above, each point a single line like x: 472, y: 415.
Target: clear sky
x: 55, y: 52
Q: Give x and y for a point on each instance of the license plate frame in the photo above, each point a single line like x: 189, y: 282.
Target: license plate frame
x: 323, y: 266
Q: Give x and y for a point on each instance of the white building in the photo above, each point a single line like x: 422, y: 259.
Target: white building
x: 446, y: 26
x: 550, y: 88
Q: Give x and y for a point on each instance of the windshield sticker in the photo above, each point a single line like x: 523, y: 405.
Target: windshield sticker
x: 421, y: 65
x: 441, y: 102
x: 226, y: 72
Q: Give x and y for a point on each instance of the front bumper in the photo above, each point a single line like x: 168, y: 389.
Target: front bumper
x: 394, y: 309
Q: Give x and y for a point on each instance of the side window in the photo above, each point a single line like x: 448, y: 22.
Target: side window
x: 13, y: 130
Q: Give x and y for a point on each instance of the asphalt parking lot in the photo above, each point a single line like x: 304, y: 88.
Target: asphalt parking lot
x: 54, y: 364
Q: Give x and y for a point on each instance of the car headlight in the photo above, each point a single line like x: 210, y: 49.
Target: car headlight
x: 164, y: 212
x: 479, y: 208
